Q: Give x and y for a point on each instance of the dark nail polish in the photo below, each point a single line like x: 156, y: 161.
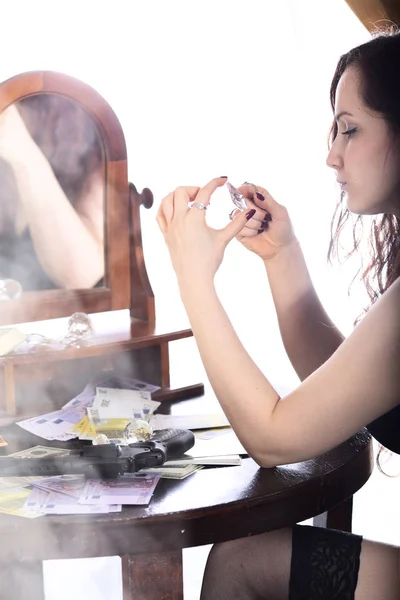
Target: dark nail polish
x: 261, y: 230
x: 223, y: 176
x: 260, y: 196
x: 251, y: 213
x: 267, y: 218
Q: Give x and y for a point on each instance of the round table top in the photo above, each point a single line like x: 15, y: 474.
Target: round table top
x: 212, y: 505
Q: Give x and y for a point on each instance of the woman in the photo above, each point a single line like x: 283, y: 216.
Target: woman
x: 346, y: 384
x: 51, y: 195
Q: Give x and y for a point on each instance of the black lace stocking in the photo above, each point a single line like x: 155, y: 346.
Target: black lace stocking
x: 324, y: 565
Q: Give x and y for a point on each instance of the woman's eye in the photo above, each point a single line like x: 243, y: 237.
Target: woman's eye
x: 350, y: 132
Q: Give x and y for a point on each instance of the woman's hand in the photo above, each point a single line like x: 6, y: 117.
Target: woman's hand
x: 196, y: 249
x: 270, y: 230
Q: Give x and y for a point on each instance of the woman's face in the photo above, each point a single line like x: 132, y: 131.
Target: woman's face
x: 363, y: 154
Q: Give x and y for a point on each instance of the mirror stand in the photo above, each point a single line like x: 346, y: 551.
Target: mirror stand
x: 127, y: 340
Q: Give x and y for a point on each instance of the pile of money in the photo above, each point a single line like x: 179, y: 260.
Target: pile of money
x: 33, y: 497
x: 106, y: 404
x: 73, y: 494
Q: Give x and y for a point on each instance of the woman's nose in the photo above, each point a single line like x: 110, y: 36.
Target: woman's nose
x: 334, y: 159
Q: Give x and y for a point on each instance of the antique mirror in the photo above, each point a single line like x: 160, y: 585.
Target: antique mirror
x: 70, y: 237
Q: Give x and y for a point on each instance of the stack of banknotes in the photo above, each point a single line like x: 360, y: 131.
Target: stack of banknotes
x: 108, y: 406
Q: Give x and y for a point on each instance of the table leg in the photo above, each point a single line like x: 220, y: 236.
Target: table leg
x: 153, y: 576
x: 339, y: 517
x: 22, y: 580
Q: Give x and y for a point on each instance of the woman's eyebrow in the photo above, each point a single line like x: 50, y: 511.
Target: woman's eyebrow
x: 343, y: 113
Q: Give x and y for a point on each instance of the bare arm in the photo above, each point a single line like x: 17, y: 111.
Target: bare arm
x: 358, y: 383
x: 69, y: 246
x: 308, y: 334
x: 66, y: 248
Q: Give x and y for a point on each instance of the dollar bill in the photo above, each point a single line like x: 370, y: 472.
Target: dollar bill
x: 40, y: 452
x: 174, y: 470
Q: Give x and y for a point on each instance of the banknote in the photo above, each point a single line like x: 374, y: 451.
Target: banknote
x: 200, y: 421
x: 69, y: 485
x: 55, y: 425
x: 79, y: 427
x: 174, y: 470
x: 134, y: 488
x: 209, y: 434
x: 44, y: 502
x: 131, y: 404
x: 60, y: 504
x: 12, y: 503
x: 109, y: 380
x: 7, y: 483
x: 40, y: 452
x: 232, y: 460
x: 87, y: 430
x: 111, y: 427
x: 36, y: 500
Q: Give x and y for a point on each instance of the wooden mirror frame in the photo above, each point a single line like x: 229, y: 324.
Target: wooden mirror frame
x: 126, y: 280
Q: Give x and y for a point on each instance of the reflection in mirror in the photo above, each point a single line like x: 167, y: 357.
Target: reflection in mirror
x: 52, y: 174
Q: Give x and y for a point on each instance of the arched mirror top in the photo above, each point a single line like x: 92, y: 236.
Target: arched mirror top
x: 51, y: 82
x: 80, y: 147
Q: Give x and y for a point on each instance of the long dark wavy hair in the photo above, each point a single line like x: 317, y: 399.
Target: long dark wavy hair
x: 378, y: 62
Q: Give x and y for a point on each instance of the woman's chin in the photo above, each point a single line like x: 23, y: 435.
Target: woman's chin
x: 359, y: 206
x: 354, y: 206
x: 370, y: 211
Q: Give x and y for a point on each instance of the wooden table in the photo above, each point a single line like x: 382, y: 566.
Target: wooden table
x: 213, y: 505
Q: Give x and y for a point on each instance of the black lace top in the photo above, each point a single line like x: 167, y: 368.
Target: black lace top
x: 386, y: 430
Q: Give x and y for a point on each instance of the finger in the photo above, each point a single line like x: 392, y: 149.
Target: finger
x: 254, y: 193
x: 234, y: 213
x: 183, y: 195
x: 167, y: 208
x: 205, y: 193
x: 160, y: 218
x: 256, y: 221
x: 262, y: 198
x: 247, y: 233
x: 234, y: 228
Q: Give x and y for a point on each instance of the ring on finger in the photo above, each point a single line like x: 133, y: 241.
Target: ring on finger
x: 253, y: 184
x: 199, y: 205
x: 231, y: 214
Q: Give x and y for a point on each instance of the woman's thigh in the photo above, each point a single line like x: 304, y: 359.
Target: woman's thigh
x: 379, y: 573
x: 305, y: 563
x: 329, y: 564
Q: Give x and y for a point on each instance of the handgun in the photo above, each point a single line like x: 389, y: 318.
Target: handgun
x: 105, y: 461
